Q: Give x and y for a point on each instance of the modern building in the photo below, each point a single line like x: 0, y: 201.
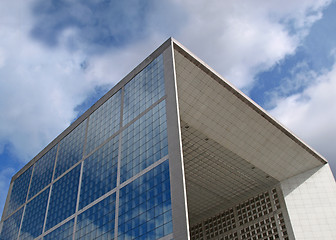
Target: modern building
x: 173, y: 151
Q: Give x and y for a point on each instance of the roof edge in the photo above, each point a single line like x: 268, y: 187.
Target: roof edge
x: 217, y: 77
x: 96, y: 105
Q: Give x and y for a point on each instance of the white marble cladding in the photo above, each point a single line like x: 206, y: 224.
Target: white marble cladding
x: 310, y: 198
x: 224, y: 115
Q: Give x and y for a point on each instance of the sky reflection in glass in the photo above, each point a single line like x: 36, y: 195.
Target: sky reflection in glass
x: 145, y: 206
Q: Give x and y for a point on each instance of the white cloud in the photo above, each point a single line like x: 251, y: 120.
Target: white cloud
x: 299, y: 77
x: 39, y: 89
x: 241, y: 38
x: 40, y: 86
x: 311, y: 114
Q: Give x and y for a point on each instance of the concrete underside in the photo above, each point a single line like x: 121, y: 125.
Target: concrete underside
x: 232, y: 149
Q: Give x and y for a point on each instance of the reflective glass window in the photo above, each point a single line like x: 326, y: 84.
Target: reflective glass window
x: 33, y: 218
x: 97, y: 222
x: 63, y: 198
x: 10, y: 228
x: 144, y: 142
x: 104, y: 122
x: 145, y: 206
x: 143, y: 90
x: 19, y: 191
x: 70, y: 149
x: 63, y: 232
x: 99, y: 172
x: 43, y: 171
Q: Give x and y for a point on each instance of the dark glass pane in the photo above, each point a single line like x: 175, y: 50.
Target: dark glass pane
x: 104, y: 122
x: 19, y: 192
x: 70, y: 149
x: 43, y: 171
x: 33, y: 218
x: 144, y: 142
x: 63, y: 198
x: 143, y: 90
x: 63, y: 232
x: 99, y: 173
x: 10, y: 228
x: 97, y: 222
x: 145, y: 206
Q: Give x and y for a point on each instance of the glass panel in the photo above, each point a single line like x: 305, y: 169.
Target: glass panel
x: 33, y: 218
x: 99, y: 173
x: 43, y: 171
x: 10, y: 228
x: 143, y: 90
x: 145, y: 206
x: 144, y: 142
x: 70, y: 149
x: 63, y: 232
x: 19, y: 191
x: 97, y: 222
x: 104, y: 122
x: 63, y: 198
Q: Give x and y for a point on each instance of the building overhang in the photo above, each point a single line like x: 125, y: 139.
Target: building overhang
x: 232, y: 148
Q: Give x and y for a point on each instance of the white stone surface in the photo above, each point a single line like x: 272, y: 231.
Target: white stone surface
x: 311, y: 203
x: 227, y: 117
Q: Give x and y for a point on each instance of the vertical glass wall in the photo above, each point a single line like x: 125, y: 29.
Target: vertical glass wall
x: 33, y: 218
x: 19, y: 192
x: 107, y: 179
x: 43, y: 171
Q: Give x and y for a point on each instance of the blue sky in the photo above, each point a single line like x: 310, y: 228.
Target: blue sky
x: 58, y: 57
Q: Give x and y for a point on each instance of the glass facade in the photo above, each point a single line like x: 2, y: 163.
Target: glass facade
x: 11, y: 226
x: 70, y: 149
x: 104, y: 122
x: 43, y: 171
x: 99, y: 173
x: 33, y: 219
x: 145, y: 89
x: 103, y: 179
x: 98, y: 221
x: 145, y: 206
x: 144, y: 142
x: 63, y: 198
x: 19, y: 191
x: 64, y: 232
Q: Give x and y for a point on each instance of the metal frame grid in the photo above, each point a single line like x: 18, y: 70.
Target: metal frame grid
x: 71, y: 215
x: 259, y: 217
